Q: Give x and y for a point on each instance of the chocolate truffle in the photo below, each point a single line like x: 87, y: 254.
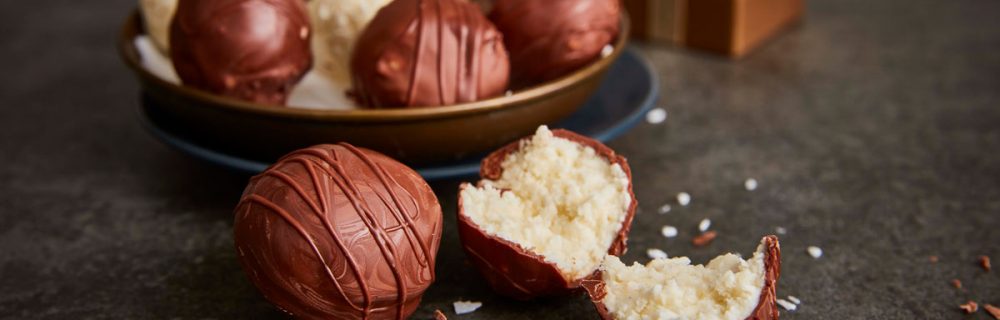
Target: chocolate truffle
x: 339, y: 232
x: 421, y: 53
x: 549, y: 208
x: 254, y: 50
x: 551, y: 38
x: 728, y: 287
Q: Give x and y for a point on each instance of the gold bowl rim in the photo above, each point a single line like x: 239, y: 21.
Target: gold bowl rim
x: 130, y: 56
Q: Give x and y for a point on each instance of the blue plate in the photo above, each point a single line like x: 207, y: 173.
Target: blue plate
x: 628, y: 91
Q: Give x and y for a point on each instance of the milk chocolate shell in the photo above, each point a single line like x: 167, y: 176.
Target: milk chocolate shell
x: 766, y: 308
x: 509, y: 268
x: 551, y: 38
x: 339, y: 232
x: 421, y: 53
x: 254, y: 50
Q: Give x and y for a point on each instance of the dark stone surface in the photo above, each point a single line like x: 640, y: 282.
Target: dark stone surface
x: 873, y: 128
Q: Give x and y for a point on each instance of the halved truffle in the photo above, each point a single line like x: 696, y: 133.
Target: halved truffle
x: 549, y: 208
x: 728, y: 287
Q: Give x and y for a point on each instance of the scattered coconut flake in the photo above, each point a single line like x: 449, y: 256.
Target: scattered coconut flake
x: 984, y: 262
x: 463, y: 307
x: 815, y: 251
x: 785, y: 304
x: 794, y: 299
x: 664, y: 209
x: 669, y: 231
x: 704, y: 225
x: 750, y: 184
x: 956, y: 283
x: 656, y: 116
x: 932, y: 259
x: 703, y: 239
x: 780, y: 230
x: 606, y: 51
x: 656, y: 254
x: 508, y: 93
x: 683, y: 198
x: 969, y: 307
x: 993, y: 311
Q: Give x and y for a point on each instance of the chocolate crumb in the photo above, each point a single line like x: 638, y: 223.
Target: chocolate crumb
x: 993, y: 311
x: 985, y: 262
x: 932, y: 259
x: 438, y: 315
x: 969, y: 307
x: 956, y: 283
x: 704, y: 238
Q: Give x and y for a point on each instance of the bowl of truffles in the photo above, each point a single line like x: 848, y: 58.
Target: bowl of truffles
x: 423, y: 81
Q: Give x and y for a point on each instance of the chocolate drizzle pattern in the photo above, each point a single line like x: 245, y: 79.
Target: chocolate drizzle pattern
x: 428, y: 53
x: 336, y: 231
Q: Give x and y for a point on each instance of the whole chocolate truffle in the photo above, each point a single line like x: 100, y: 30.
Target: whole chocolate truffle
x: 339, y: 232
x: 420, y: 53
x: 254, y: 50
x: 551, y: 38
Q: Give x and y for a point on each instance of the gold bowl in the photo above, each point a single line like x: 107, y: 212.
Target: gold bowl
x: 416, y: 136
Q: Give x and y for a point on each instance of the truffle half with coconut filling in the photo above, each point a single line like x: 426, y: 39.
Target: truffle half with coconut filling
x: 547, y: 211
x: 727, y: 288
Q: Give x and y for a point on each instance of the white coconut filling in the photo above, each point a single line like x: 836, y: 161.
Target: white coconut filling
x: 561, y: 200
x: 727, y: 288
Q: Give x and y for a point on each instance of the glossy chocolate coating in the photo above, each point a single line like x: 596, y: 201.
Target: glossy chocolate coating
x: 421, y: 53
x: 551, y: 38
x: 254, y: 50
x: 339, y: 232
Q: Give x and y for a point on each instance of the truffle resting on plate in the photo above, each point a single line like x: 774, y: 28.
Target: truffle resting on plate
x: 549, y: 39
x: 547, y: 210
x: 254, y: 50
x: 339, y: 232
x: 727, y: 288
x: 424, y: 53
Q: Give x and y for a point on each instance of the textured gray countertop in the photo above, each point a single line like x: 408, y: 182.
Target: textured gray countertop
x: 873, y: 128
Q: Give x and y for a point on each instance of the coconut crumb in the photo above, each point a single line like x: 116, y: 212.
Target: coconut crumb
x: 794, y: 299
x: 463, y: 307
x: 780, y: 230
x: 607, y: 50
x: 683, y: 198
x: 815, y: 252
x: 656, y: 116
x: 704, y: 225
x: 656, y: 254
x: 664, y: 209
x: 750, y: 184
x: 787, y: 305
x: 669, y: 231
